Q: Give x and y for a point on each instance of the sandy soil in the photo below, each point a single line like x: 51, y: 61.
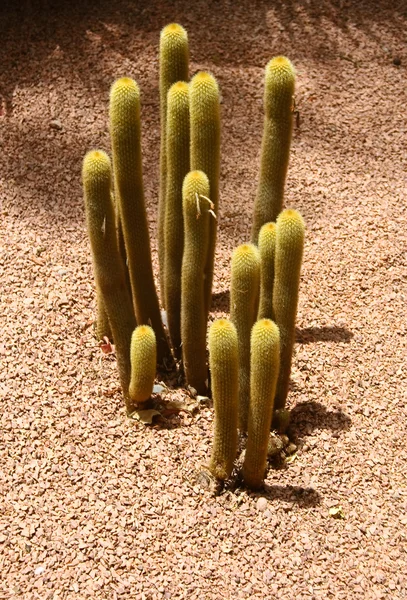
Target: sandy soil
x: 95, y: 506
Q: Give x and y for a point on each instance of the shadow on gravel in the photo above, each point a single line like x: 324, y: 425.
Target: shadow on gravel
x: 221, y: 302
x: 303, y: 497
x: 307, y: 416
x: 332, y: 333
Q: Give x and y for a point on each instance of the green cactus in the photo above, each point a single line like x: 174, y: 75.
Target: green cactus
x: 267, y: 247
x: 290, y: 231
x: 244, y: 295
x: 223, y: 362
x: 126, y: 146
x: 108, y: 267
x: 143, y: 358
x: 193, y: 309
x: 177, y: 169
x: 264, y: 367
x: 102, y: 320
x: 205, y: 153
x: 174, y: 58
x: 275, y: 150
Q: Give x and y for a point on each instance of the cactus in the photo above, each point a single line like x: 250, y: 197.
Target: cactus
x: 177, y: 169
x: 290, y: 230
x: 205, y: 153
x: 244, y: 294
x: 193, y: 308
x: 275, y: 150
x: 267, y: 246
x: 174, y: 58
x: 102, y: 320
x: 223, y: 361
x: 264, y: 367
x: 108, y: 267
x: 126, y: 146
x: 143, y: 358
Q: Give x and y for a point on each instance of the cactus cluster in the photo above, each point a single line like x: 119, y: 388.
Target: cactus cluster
x: 250, y: 354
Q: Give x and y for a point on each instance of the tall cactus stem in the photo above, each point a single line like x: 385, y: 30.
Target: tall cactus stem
x: 143, y: 358
x: 267, y: 247
x: 108, y: 267
x: 177, y: 169
x: 103, y: 328
x: 275, y: 149
x: 223, y: 361
x: 173, y: 66
x: 244, y: 294
x: 264, y: 359
x: 290, y: 231
x: 193, y: 307
x: 126, y: 146
x: 205, y: 154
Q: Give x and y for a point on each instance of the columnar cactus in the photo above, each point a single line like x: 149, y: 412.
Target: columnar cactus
x: 264, y: 367
x: 223, y: 362
x: 267, y: 246
x: 126, y: 145
x: 205, y: 153
x: 275, y: 150
x: 194, y: 314
x: 177, y: 169
x: 143, y: 358
x: 244, y: 295
x: 102, y: 320
x: 290, y: 231
x: 108, y: 267
x: 173, y: 64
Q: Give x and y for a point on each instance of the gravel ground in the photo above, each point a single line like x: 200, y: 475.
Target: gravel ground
x: 95, y: 506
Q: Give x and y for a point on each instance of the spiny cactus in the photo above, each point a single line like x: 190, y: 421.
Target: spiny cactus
x: 126, y: 145
x: 193, y: 309
x: 177, y: 169
x: 223, y: 362
x: 275, y: 150
x: 174, y: 58
x: 143, y: 358
x: 108, y: 267
x: 267, y: 247
x: 264, y: 366
x: 205, y: 153
x: 244, y: 295
x: 102, y: 320
x: 290, y: 231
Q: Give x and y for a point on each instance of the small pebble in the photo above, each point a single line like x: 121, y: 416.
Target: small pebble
x: 56, y: 124
x: 261, y: 504
x: 397, y: 61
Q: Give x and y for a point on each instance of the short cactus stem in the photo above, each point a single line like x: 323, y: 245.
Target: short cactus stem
x: 126, y: 144
x: 205, y: 154
x: 193, y: 307
x: 108, y: 267
x: 267, y: 247
x: 223, y: 362
x: 264, y: 367
x: 244, y: 295
x: 143, y: 358
x: 275, y: 150
x: 290, y: 232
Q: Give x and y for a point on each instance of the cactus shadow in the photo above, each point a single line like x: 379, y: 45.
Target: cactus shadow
x: 308, y: 416
x: 330, y: 333
x: 221, y: 302
x: 303, y: 497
